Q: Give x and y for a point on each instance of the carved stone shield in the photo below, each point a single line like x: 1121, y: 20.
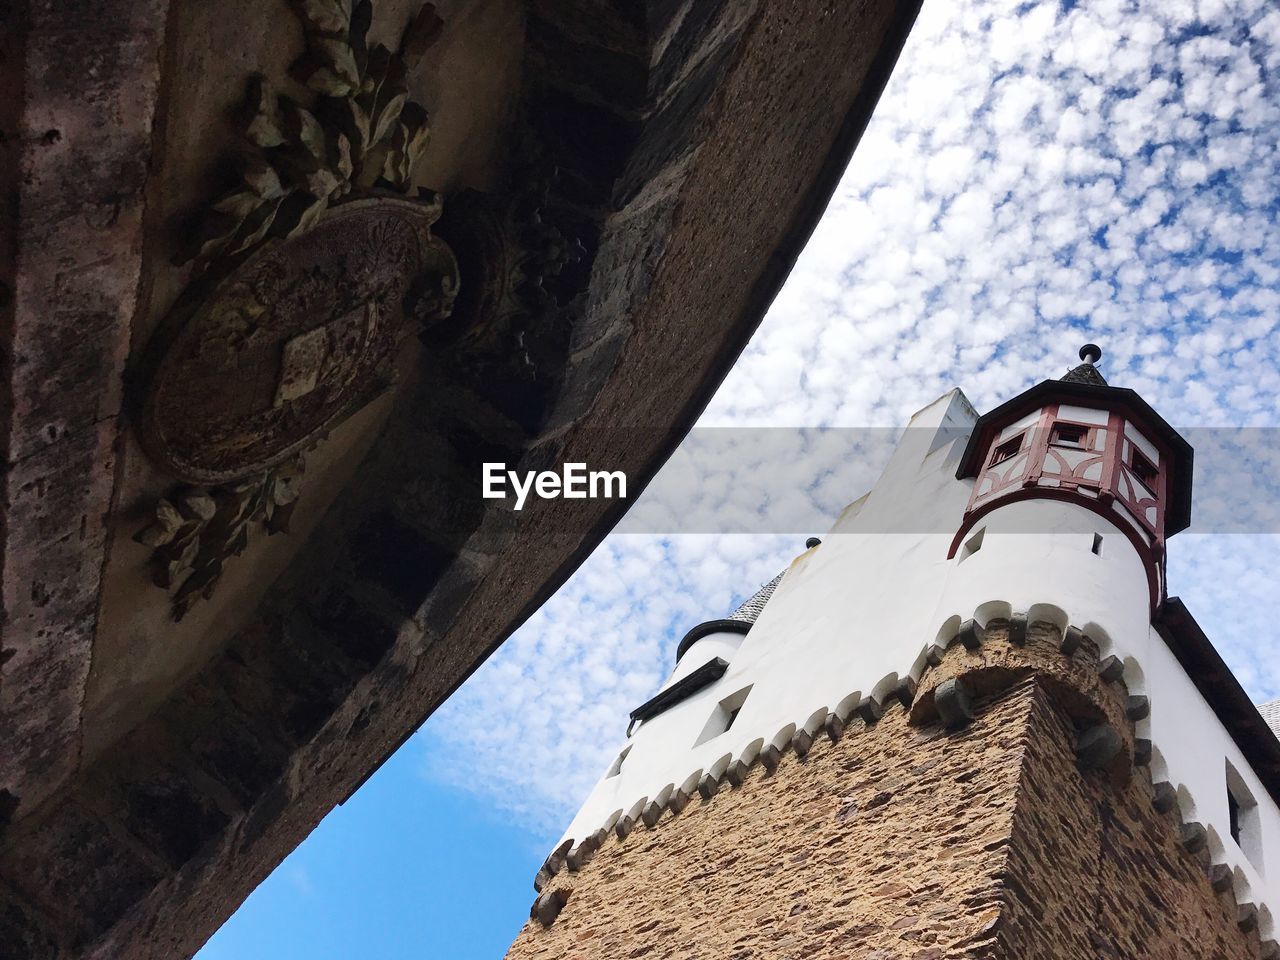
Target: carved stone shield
x: 297, y: 337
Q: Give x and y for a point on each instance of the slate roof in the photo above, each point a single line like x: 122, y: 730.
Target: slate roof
x: 1271, y: 713
x: 1085, y: 373
x: 751, y: 607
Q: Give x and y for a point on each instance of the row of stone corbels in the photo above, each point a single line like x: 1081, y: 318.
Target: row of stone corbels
x: 958, y: 699
x: 574, y: 856
x: 1098, y: 745
x: 1100, y: 704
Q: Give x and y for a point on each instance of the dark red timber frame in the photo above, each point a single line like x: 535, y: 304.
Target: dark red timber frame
x: 1025, y: 484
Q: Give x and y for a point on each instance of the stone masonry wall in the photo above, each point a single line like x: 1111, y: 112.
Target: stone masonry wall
x: 1096, y: 871
x: 904, y: 840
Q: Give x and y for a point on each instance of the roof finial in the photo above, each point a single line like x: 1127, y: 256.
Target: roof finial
x: 1087, y: 373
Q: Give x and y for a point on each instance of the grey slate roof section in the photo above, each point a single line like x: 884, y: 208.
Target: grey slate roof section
x: 1085, y: 373
x: 1271, y: 713
x: 750, y: 608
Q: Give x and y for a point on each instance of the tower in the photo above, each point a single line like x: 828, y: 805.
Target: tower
x: 968, y: 722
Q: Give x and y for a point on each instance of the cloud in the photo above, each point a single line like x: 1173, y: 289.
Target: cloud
x: 1037, y: 175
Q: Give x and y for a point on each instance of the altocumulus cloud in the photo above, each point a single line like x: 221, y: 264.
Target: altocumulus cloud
x: 1037, y: 174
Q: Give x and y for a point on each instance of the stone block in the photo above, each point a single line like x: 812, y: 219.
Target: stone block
x: 1247, y: 917
x: 1018, y: 629
x: 1221, y: 878
x: 1193, y: 837
x: 1142, y: 752
x: 652, y: 814
x: 1072, y: 639
x: 735, y: 773
x: 834, y: 727
x: 954, y: 702
x: 1111, y: 669
x: 1097, y: 746
x: 1137, y: 708
x: 770, y: 757
x: 802, y: 743
x: 548, y: 906
x: 1164, y: 797
x: 971, y: 634
x: 708, y: 786
x: 905, y: 692
x: 870, y: 710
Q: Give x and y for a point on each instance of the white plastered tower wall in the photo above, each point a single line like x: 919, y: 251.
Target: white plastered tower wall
x: 855, y: 614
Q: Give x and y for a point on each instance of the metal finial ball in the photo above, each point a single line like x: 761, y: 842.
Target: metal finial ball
x: 811, y: 543
x: 1091, y: 353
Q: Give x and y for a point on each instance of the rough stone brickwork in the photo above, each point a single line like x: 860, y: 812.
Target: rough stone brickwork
x: 906, y: 841
x: 1098, y: 872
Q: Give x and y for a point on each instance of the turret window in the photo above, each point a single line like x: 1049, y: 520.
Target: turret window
x: 1143, y: 468
x: 1070, y: 435
x: 1007, y: 450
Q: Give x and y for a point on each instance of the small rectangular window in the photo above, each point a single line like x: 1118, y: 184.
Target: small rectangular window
x: 1243, y: 819
x: 1007, y: 450
x: 1143, y: 468
x: 723, y: 716
x: 617, y: 764
x: 1069, y: 435
x: 1097, y: 544
x: 972, y: 545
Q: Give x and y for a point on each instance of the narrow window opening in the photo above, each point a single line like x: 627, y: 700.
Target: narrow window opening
x: 1068, y: 435
x: 1143, y: 468
x: 617, y: 764
x: 972, y: 545
x: 1007, y: 450
x: 1097, y: 544
x: 723, y: 716
x: 1243, y: 819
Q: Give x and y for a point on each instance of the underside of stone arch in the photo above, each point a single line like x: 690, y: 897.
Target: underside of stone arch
x: 277, y: 281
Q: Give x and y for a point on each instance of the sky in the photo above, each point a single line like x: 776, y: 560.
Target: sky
x: 1037, y: 175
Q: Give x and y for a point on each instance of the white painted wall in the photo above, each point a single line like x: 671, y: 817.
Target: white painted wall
x: 860, y: 610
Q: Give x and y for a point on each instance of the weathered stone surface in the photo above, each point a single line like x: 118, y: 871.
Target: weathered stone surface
x: 1247, y: 917
x: 989, y: 843
x: 708, y: 786
x: 870, y: 710
x: 971, y: 635
x: 1220, y: 878
x: 1098, y: 746
x: 1099, y: 872
x: 1141, y: 752
x: 81, y: 82
x: 759, y: 860
x: 954, y: 702
x: 1111, y: 669
x: 735, y: 773
x: 1018, y: 629
x: 693, y: 148
x: 1194, y: 837
x: 1137, y: 708
x: 770, y: 757
x: 548, y: 906
x: 905, y: 692
x: 834, y: 727
x: 1072, y: 639
x: 802, y: 743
